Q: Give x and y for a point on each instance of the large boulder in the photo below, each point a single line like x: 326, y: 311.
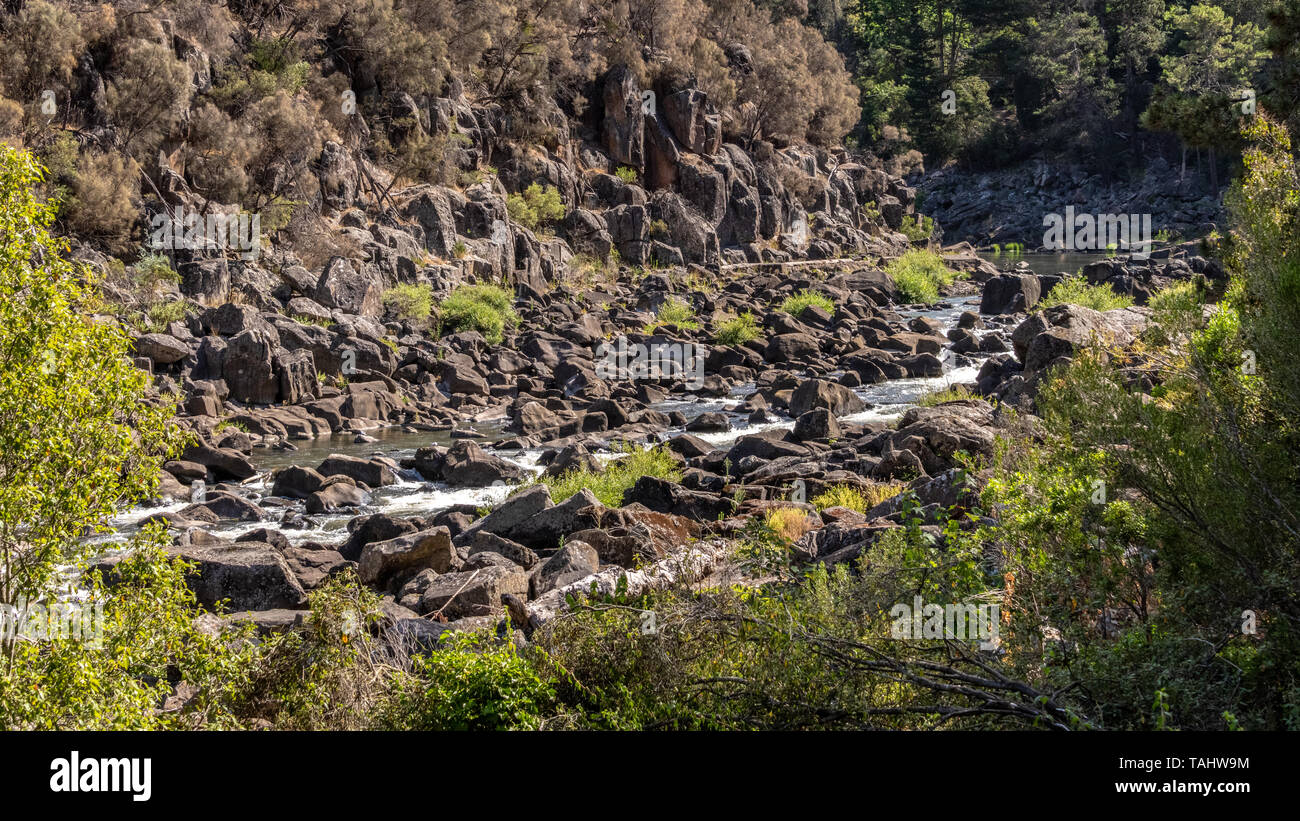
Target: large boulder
x: 415, y: 551
x: 576, y: 560
x: 248, y: 368
x: 691, y: 122
x: 475, y: 592
x: 468, y: 465
x: 819, y: 393
x: 1060, y: 331
x: 355, y: 292
x: 1010, y: 293
x: 162, y: 349
x: 371, y: 472
x: 246, y: 575
x: 935, y: 434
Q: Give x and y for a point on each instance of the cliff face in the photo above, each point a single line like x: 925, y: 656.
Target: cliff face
x: 650, y: 178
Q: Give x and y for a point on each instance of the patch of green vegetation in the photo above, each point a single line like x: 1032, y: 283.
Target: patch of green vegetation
x: 938, y: 396
x: 154, y: 270
x: 738, y: 331
x: 675, y: 312
x: 855, y: 497
x: 1075, y: 290
x: 919, y: 274
x: 795, y: 303
x: 474, y: 682
x: 917, y: 228
x: 409, y: 301
x: 535, y: 206
x: 609, y: 484
x: 488, y: 309
x: 162, y: 314
x: 626, y: 173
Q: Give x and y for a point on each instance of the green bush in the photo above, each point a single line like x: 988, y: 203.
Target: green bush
x: 609, y: 484
x: 148, y: 632
x: 162, y: 314
x: 738, y: 331
x: 488, y: 309
x: 477, y: 682
x: 1075, y: 290
x: 1177, y: 309
x: 675, y: 312
x: 917, y: 228
x: 535, y: 206
x: 855, y: 498
x: 407, y: 301
x: 794, y: 304
x: 919, y: 274
x: 626, y: 173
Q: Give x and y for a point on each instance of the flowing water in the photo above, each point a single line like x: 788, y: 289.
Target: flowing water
x: 413, y: 496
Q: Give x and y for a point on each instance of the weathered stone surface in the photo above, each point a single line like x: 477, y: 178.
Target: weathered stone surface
x: 250, y: 576
x: 429, y: 548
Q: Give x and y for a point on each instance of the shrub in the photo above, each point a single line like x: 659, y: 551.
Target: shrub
x: 794, y: 304
x: 152, y: 270
x: 1177, y: 308
x: 618, y: 476
x: 148, y: 94
x: 588, y: 271
x: 488, y: 309
x: 1075, y: 290
x: 675, y: 312
x: 148, y: 632
x: 408, y: 301
x: 476, y: 683
x: 919, y: 274
x: 100, y: 207
x: 860, y: 499
x: 738, y: 330
x: 788, y: 523
x: 162, y: 314
x: 626, y: 174
x: 79, y: 438
x: 535, y: 206
x: 917, y: 228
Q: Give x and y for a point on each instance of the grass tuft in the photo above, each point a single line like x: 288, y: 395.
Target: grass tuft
x: 1075, y: 290
x: 919, y: 274
x: 609, y: 484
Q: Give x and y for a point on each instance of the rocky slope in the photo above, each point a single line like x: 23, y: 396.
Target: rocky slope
x: 275, y: 351
x: 1009, y: 205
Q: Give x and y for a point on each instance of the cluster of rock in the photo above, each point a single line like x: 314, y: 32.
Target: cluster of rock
x: 1009, y: 205
x: 542, y: 383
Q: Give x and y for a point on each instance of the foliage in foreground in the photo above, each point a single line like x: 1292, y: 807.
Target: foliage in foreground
x: 77, y: 438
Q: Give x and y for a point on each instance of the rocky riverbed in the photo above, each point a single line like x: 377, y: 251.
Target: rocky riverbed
x: 431, y: 498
